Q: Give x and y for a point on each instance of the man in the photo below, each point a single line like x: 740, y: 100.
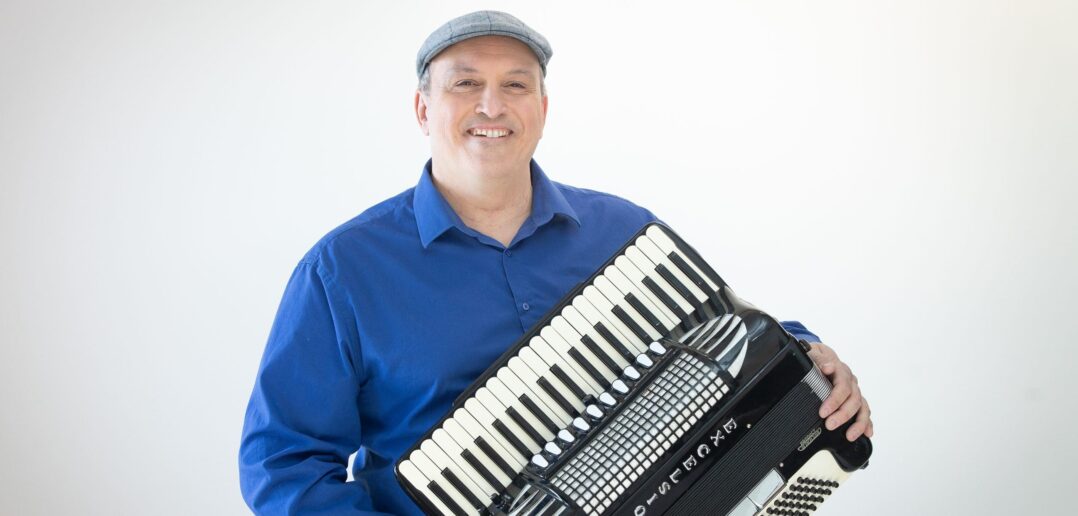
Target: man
x: 393, y: 314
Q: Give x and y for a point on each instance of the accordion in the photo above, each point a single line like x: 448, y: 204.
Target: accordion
x: 649, y: 389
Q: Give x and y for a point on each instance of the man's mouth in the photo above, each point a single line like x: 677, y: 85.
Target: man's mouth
x: 490, y: 133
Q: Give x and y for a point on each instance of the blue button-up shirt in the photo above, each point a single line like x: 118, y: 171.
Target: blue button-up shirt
x: 388, y: 319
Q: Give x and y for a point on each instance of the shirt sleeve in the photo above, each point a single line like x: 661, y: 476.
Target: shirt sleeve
x: 799, y: 331
x: 302, y: 421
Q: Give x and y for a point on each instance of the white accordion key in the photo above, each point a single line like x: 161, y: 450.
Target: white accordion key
x: 570, y: 335
x: 596, y: 298
x: 617, y: 298
x: 467, y: 444
x: 544, y: 373
x: 496, y: 408
x: 652, y: 251
x: 636, y: 283
x: 530, y: 381
x: 668, y: 246
x: 486, y: 420
x: 535, y: 430
x: 551, y: 357
x: 431, y: 472
x: 515, y: 389
x: 421, y: 483
x: 647, y: 267
x: 595, y: 317
x: 476, y: 487
x: 616, y: 277
x: 477, y: 430
x: 577, y: 320
x: 561, y: 348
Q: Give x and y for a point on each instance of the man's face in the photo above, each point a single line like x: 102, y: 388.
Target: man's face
x: 485, y: 112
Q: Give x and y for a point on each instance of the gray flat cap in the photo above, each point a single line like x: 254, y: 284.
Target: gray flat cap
x: 481, y: 23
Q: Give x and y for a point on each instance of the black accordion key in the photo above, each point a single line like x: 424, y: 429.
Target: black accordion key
x: 588, y: 366
x: 665, y: 298
x: 523, y: 424
x: 459, y: 486
x: 539, y: 414
x: 446, y: 499
x: 631, y: 324
x: 595, y: 350
x: 605, y: 333
x: 557, y: 397
x: 560, y: 374
x: 512, y: 439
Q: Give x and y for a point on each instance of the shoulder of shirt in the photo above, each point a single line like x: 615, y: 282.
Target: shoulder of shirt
x: 573, y: 193
x: 378, y: 217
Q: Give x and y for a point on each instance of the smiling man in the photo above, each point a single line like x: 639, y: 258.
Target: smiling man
x: 483, y: 104
x: 389, y: 317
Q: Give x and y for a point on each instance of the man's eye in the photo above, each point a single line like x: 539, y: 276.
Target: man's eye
x: 466, y: 82
x: 517, y: 85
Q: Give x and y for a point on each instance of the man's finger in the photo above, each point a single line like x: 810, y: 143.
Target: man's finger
x: 848, y: 409
x: 860, y: 426
x: 824, y: 358
x: 868, y: 409
x: 821, y: 353
x: 841, y: 389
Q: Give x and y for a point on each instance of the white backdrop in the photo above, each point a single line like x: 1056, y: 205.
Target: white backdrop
x: 896, y: 174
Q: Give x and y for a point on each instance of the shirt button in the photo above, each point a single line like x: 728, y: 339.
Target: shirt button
x: 526, y: 307
x: 508, y: 252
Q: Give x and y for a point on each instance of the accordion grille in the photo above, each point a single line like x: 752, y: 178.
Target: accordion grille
x: 640, y: 434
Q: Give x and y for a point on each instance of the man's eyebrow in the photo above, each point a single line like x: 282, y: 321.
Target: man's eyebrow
x: 468, y: 69
x: 462, y: 69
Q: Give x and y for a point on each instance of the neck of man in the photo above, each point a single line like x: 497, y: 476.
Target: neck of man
x: 494, y: 204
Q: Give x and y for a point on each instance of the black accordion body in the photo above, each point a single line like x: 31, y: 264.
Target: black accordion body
x: 649, y: 389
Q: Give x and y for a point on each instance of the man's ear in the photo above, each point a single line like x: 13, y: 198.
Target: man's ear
x: 421, y: 112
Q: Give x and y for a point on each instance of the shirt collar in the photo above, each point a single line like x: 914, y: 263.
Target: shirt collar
x: 434, y: 215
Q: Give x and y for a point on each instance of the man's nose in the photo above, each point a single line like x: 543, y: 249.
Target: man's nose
x: 491, y: 102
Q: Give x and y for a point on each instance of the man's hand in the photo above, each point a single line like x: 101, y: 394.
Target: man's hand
x: 845, y: 400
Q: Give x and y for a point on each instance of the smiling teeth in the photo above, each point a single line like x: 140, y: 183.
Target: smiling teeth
x: 490, y: 133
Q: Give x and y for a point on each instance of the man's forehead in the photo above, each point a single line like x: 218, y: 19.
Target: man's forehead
x: 486, y: 54
x: 455, y: 69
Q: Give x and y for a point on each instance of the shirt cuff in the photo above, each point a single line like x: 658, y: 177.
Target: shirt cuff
x: 799, y: 331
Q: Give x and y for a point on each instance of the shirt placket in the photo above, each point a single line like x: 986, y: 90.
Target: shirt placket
x: 519, y: 288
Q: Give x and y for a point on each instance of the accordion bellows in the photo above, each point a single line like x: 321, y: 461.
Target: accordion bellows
x: 649, y: 389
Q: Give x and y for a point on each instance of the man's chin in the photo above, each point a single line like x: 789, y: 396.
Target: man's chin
x: 496, y: 162
x: 493, y: 156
